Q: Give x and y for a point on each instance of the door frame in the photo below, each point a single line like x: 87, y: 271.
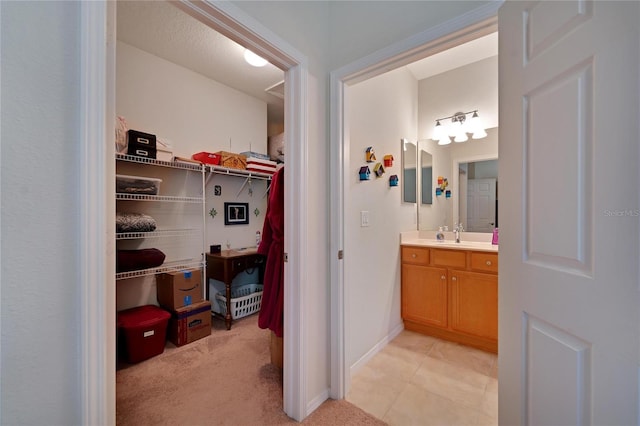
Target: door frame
x: 97, y: 216
x: 471, y: 25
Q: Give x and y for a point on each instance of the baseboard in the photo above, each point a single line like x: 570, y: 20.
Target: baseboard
x: 375, y: 349
x: 317, y: 401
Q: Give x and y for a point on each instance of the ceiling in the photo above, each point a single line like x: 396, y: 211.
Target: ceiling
x: 163, y: 30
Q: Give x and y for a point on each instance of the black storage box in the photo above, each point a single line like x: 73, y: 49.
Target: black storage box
x: 141, y: 144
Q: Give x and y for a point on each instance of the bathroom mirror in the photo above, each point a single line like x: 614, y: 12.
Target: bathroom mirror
x: 409, y: 165
x: 477, y: 186
x: 446, y: 161
x: 426, y: 177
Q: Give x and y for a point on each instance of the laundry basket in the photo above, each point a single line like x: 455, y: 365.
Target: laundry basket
x: 245, y: 300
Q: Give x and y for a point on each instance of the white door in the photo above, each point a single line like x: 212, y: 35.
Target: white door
x: 569, y: 88
x: 481, y: 205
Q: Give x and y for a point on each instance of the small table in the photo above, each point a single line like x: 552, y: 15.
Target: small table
x: 224, y: 266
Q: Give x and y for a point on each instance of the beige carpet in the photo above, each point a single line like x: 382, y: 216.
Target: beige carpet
x: 224, y: 379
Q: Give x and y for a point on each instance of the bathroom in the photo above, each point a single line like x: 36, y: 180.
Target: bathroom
x: 383, y: 111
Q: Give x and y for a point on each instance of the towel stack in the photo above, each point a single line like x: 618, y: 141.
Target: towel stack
x: 260, y: 163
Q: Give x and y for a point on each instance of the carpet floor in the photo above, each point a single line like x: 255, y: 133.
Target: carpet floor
x: 224, y: 379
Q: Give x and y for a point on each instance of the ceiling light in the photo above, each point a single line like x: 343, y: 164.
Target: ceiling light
x: 459, y: 128
x: 253, y: 59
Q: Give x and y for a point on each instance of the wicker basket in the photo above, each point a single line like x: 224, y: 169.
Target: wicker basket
x: 245, y: 300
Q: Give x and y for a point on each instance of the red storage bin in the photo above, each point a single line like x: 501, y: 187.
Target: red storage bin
x: 207, y: 158
x: 143, y: 331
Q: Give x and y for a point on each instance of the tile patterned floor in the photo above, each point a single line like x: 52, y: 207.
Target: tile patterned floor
x: 420, y: 380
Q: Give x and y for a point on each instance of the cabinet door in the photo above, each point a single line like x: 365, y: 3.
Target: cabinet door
x: 474, y: 303
x: 424, y: 294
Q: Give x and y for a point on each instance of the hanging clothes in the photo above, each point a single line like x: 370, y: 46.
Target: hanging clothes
x: 272, y: 245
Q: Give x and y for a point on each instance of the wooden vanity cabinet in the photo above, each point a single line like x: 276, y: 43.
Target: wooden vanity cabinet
x: 451, y: 294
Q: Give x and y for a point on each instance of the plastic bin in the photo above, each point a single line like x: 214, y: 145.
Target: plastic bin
x: 137, y: 185
x: 143, y: 331
x: 245, y: 300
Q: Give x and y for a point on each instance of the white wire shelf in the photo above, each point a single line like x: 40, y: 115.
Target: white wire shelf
x: 171, y: 164
x: 163, y: 198
x: 165, y: 267
x: 238, y: 172
x: 161, y: 233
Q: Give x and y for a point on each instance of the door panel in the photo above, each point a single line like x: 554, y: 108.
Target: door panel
x: 424, y: 294
x: 568, y: 302
x: 474, y: 303
x: 481, y: 205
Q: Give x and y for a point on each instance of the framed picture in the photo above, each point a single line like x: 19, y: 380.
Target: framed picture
x: 236, y: 213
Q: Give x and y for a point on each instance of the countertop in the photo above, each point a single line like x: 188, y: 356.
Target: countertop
x: 469, y: 241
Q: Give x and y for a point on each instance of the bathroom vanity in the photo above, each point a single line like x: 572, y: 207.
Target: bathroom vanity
x: 450, y: 290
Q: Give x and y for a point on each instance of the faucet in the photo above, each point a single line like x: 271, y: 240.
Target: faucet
x: 457, y: 230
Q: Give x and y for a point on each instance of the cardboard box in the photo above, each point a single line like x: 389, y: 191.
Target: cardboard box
x: 190, y: 323
x: 142, y: 331
x: 232, y: 161
x: 177, y: 289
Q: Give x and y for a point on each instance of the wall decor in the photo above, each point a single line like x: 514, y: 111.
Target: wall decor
x: 378, y: 169
x: 217, y: 190
x: 388, y: 160
x: 213, y: 212
x: 370, y: 155
x: 364, y: 173
x: 236, y: 213
x: 393, y: 180
x: 256, y: 212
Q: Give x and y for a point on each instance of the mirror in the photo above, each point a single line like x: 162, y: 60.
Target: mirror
x: 409, y: 164
x: 446, y: 161
x: 426, y: 177
x: 478, y: 195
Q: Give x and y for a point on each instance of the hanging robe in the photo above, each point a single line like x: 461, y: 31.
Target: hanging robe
x: 272, y: 245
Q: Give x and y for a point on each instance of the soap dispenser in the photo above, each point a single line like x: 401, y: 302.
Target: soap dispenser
x: 440, y: 234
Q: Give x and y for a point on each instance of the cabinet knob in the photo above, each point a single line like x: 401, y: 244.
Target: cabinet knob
x: 414, y: 255
x: 442, y: 277
x: 488, y: 263
x: 454, y: 279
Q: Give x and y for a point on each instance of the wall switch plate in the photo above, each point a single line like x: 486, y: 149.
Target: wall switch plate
x: 364, y: 218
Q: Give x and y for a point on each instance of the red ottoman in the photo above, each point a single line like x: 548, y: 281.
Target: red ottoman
x: 143, y: 331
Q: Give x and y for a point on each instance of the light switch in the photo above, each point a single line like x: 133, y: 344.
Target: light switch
x: 364, y: 218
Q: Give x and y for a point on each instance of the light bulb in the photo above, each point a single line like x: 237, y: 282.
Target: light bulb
x: 445, y: 140
x: 253, y: 59
x: 479, y: 134
x: 438, y: 131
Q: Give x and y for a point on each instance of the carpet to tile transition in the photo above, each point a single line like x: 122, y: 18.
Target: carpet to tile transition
x: 223, y: 379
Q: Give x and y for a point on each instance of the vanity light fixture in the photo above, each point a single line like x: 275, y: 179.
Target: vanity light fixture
x: 459, y: 128
x: 253, y: 59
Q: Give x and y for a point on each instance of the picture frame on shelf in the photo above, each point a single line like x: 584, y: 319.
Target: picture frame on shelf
x: 236, y: 213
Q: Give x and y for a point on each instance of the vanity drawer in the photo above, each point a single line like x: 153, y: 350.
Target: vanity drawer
x: 486, y: 262
x: 417, y: 255
x: 454, y: 258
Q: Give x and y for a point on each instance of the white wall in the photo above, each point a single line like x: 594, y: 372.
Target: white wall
x: 40, y: 325
x: 196, y: 114
x: 381, y: 111
x: 468, y: 88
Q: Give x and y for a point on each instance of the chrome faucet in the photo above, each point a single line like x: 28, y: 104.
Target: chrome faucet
x: 457, y: 230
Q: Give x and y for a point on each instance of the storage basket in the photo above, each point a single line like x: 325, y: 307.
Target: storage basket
x: 245, y: 300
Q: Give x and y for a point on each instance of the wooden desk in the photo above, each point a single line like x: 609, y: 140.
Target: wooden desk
x: 224, y: 266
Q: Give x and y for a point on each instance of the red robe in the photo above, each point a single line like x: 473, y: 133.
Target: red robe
x: 272, y: 245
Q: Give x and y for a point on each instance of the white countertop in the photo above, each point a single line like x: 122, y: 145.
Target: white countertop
x: 468, y: 241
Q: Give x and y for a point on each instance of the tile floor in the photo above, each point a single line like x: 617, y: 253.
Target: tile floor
x: 421, y: 380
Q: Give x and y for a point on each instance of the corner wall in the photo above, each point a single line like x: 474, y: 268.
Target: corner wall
x: 381, y: 111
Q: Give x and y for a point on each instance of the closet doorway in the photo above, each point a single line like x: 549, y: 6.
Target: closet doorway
x: 99, y: 22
